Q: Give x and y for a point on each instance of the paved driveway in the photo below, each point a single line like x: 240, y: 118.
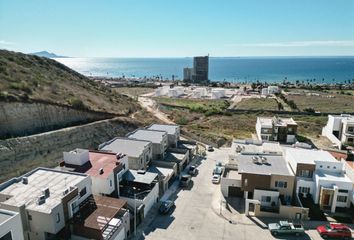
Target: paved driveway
x: 195, y: 218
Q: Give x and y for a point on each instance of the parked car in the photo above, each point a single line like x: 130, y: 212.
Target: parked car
x: 185, y: 180
x: 166, y: 206
x: 210, y: 148
x: 216, y: 178
x: 284, y: 227
x: 335, y: 230
x: 218, y: 170
x: 192, y: 170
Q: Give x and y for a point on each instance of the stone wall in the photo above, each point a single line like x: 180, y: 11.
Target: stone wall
x: 21, y: 119
x: 19, y: 155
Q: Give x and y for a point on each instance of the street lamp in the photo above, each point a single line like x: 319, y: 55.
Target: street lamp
x: 135, y: 195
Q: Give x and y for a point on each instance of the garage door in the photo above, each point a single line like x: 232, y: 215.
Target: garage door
x: 235, y: 192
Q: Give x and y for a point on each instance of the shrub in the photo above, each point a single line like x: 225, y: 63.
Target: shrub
x: 77, y: 103
x: 182, y: 120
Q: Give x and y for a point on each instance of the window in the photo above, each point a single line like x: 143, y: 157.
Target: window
x: 281, y: 184
x: 266, y: 199
x: 246, y: 182
x: 343, y: 190
x: 304, y: 189
x: 7, y: 236
x: 57, y: 217
x: 83, y: 192
x: 305, y: 173
x: 110, y: 183
x: 327, y: 166
x: 321, y: 166
x: 29, y: 217
x: 350, y: 129
x: 342, y: 199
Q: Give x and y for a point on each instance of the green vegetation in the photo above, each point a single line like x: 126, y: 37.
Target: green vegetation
x: 258, y: 104
x: 30, y: 78
x: 134, y: 91
x: 206, y: 106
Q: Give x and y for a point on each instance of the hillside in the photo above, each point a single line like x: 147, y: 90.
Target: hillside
x: 29, y: 78
x: 47, y: 54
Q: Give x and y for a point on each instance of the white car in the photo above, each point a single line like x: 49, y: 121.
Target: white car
x: 215, y: 179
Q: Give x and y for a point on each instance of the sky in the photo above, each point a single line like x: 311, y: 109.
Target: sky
x: 178, y: 28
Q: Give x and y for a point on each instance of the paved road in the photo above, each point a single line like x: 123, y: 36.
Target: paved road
x: 195, y: 218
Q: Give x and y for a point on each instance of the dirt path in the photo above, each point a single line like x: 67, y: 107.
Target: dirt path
x: 151, y: 106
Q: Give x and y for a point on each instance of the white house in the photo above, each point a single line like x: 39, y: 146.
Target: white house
x: 319, y: 174
x: 173, y: 132
x: 276, y: 129
x: 106, y: 169
x: 340, y: 130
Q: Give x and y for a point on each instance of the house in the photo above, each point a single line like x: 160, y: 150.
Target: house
x: 46, y: 199
x: 276, y: 129
x: 166, y: 177
x: 139, y: 152
x: 340, y: 130
x: 105, y: 169
x: 179, y: 156
x: 10, y: 225
x: 102, y: 218
x: 141, y: 190
x: 159, y: 141
x: 320, y: 176
x: 263, y: 178
x: 173, y: 132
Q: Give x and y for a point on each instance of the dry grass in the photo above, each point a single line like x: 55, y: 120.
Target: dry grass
x: 258, y: 104
x: 134, y: 91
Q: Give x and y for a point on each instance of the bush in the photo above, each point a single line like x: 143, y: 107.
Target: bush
x: 310, y: 110
x: 182, y: 120
x: 77, y: 103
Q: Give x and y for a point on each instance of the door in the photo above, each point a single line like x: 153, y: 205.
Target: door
x: 235, y: 192
x: 325, y: 200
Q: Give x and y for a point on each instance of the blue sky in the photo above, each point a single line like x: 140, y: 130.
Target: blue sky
x: 178, y: 28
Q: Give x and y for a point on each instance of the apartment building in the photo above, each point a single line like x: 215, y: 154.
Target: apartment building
x: 282, y: 130
x: 139, y: 152
x: 10, y: 225
x: 340, y: 130
x: 46, y: 199
x: 105, y: 169
x: 320, y: 176
x: 159, y: 141
x: 173, y: 132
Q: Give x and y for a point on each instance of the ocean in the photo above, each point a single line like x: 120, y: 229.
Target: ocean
x: 233, y: 69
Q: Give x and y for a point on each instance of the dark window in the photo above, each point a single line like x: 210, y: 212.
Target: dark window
x: 29, y: 217
x: 7, y: 236
x: 58, y: 218
x: 342, y: 199
x: 83, y: 192
x: 343, y: 190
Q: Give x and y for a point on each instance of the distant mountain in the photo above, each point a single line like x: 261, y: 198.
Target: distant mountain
x: 47, y: 54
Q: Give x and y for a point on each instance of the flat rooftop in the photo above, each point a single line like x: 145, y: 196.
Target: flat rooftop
x: 170, y: 129
x: 275, y: 165
x: 140, y: 176
x: 308, y: 156
x: 38, y: 180
x: 269, y: 121
x: 166, y: 172
x: 173, y: 156
x: 128, y: 146
x: 148, y: 135
x: 98, y: 160
x: 266, y: 122
x: 339, y: 177
x: 255, y: 147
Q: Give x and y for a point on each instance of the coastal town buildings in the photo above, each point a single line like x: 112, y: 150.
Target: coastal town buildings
x: 282, y: 130
x: 259, y: 173
x: 159, y: 141
x: 105, y: 169
x: 187, y: 74
x: 139, y: 152
x: 340, y: 130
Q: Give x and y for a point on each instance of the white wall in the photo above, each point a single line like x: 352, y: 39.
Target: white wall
x: 225, y: 183
x: 257, y: 195
x: 13, y: 225
x: 304, y: 183
x: 151, y: 199
x: 103, y: 185
x: 290, y: 138
x: 76, y: 157
x: 329, y: 166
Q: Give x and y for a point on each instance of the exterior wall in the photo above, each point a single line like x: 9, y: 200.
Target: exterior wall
x: 333, y: 166
x: 42, y: 222
x: 290, y: 181
x: 225, y: 183
x: 287, y: 212
x: 255, y: 181
x: 151, y: 199
x: 13, y: 225
x: 302, y: 166
x: 305, y: 182
x: 103, y: 185
x: 290, y: 139
x: 274, y: 195
x: 322, y: 183
x: 157, y: 151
